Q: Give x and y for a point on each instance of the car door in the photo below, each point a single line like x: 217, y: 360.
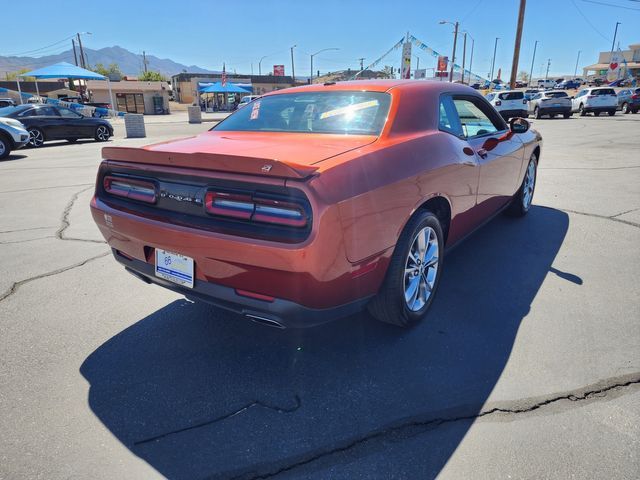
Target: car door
x: 499, y: 152
x: 43, y: 117
x: 575, y: 102
x: 72, y: 123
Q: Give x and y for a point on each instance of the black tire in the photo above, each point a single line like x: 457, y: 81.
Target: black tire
x: 625, y: 108
x: 567, y: 115
x: 635, y: 110
x: 36, y: 137
x: 611, y: 113
x: 536, y: 113
x: 581, y: 110
x: 552, y: 115
x: 518, y: 208
x: 5, y: 147
x: 101, y: 134
x: 389, y: 305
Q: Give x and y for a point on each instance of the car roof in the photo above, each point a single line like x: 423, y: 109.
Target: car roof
x: 383, y: 85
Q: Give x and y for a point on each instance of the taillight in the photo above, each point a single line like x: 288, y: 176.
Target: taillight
x: 498, y: 103
x: 131, y: 188
x: 256, y: 208
x: 636, y: 96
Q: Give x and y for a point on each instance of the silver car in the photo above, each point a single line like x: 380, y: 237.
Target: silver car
x: 552, y: 103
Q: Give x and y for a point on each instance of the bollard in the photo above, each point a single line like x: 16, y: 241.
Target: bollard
x: 195, y: 115
x: 134, y: 125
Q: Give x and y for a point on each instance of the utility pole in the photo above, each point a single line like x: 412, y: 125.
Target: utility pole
x: 473, y: 42
x: 260, y: 65
x: 293, y: 68
x: 361, y: 60
x: 75, y: 55
x: 575, y: 71
x: 548, y: 65
x: 493, y: 62
x: 144, y: 60
x: 516, y: 49
x: 453, y: 57
x: 82, y: 64
x: 464, y: 55
x: 532, y: 61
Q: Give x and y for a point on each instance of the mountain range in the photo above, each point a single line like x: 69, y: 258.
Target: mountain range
x: 129, y: 63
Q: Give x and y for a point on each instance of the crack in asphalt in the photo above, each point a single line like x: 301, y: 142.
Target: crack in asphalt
x: 46, y: 188
x: 9, y: 242
x: 604, y: 217
x: 624, y: 213
x: 65, y: 223
x: 240, y: 410
x: 16, y: 285
x: 26, y: 229
x: 594, y: 391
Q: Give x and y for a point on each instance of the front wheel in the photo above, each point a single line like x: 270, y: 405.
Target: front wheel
x: 5, y: 147
x: 102, y: 134
x: 413, y: 274
x: 521, y: 202
x: 626, y: 108
x: 581, y: 110
x: 36, y: 137
x: 536, y: 113
x: 567, y: 115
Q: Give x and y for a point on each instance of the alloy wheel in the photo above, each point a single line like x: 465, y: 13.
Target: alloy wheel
x: 102, y: 133
x: 3, y: 148
x: 529, y: 185
x: 421, y: 269
x: 36, y: 139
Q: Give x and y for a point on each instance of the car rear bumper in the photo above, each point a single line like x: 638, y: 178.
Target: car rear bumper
x: 275, y: 313
x: 608, y: 108
x: 514, y: 113
x: 548, y: 110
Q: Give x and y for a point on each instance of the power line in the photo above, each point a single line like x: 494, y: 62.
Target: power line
x: 590, y: 24
x: 611, y: 5
x: 470, y: 12
x: 38, y: 49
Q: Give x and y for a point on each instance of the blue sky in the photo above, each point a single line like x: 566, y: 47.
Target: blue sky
x: 206, y: 33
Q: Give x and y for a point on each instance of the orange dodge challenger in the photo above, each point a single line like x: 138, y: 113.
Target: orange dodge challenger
x: 314, y: 202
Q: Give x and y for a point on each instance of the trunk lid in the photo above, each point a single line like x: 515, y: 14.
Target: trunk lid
x: 275, y: 154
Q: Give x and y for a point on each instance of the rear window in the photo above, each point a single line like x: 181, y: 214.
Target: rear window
x: 557, y: 94
x: 604, y: 91
x: 511, y: 96
x: 341, y: 112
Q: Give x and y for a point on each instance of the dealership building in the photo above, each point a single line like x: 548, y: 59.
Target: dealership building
x: 185, y: 85
x: 631, y: 56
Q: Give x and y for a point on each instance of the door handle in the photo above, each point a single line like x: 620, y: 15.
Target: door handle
x: 482, y: 153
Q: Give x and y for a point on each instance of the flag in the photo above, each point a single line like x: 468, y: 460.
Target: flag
x: 224, y: 75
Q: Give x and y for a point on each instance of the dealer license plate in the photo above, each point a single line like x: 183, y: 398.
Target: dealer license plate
x: 174, y: 267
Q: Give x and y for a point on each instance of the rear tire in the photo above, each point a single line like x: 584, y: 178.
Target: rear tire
x: 5, y: 147
x: 581, y: 110
x: 521, y: 202
x: 413, y: 274
x: 567, y: 115
x: 536, y: 113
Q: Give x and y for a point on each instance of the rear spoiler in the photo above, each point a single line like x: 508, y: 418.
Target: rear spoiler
x: 211, y: 161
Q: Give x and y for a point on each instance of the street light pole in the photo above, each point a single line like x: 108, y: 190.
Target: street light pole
x: 260, y: 64
x: 313, y: 55
x: 493, y: 62
x: 532, y: 62
x: 473, y: 42
x: 548, y: 65
x: 455, y: 39
x: 83, y: 64
x: 464, y: 55
x: 613, y: 44
x: 293, y: 68
x: 575, y: 71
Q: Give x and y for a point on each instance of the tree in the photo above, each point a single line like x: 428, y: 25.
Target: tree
x: 524, y: 76
x: 151, y: 76
x: 113, y: 69
x: 14, y: 75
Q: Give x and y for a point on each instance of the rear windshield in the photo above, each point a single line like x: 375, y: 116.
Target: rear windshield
x: 511, y: 96
x: 604, y: 91
x: 343, y: 112
x: 557, y: 94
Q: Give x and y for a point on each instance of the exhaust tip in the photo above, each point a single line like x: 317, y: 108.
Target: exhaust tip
x: 269, y: 322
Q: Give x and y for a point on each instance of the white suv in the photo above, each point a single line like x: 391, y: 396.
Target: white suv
x: 596, y: 100
x: 509, y: 104
x: 12, y: 136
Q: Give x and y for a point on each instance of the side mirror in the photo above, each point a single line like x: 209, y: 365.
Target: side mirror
x: 519, y: 125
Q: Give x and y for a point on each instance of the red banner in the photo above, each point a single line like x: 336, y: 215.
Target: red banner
x: 278, y: 70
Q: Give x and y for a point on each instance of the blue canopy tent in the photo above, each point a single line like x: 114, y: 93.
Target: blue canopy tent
x: 226, y: 89
x: 65, y: 70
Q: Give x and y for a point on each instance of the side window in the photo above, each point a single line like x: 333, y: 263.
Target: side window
x: 475, y: 118
x: 581, y: 93
x: 47, y: 112
x: 448, y: 120
x: 32, y: 112
x: 67, y: 113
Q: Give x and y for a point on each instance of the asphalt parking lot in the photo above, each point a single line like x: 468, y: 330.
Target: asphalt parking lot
x: 528, y: 366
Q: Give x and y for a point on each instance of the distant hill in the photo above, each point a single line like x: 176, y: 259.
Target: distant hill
x: 129, y: 63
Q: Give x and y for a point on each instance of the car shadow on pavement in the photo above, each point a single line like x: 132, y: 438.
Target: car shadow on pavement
x: 200, y: 393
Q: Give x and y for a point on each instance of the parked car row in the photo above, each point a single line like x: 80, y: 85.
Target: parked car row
x: 34, y: 124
